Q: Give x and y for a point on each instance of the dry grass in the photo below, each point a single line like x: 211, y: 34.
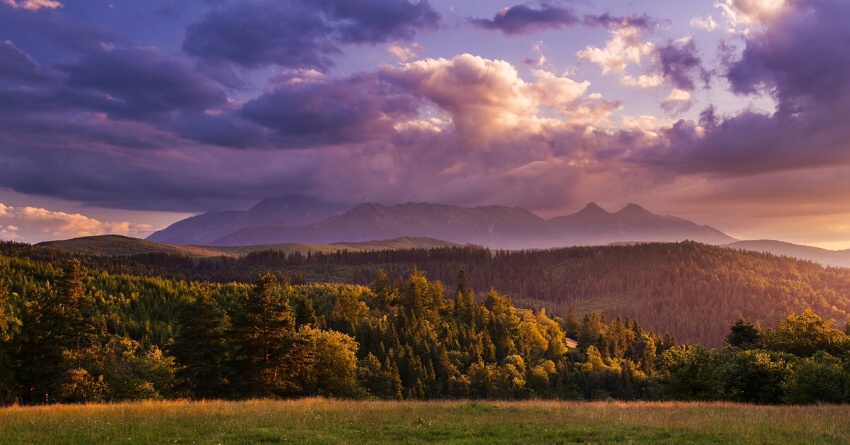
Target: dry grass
x: 331, y: 421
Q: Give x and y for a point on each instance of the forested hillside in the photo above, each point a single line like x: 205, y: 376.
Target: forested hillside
x: 74, y: 333
x: 692, y: 290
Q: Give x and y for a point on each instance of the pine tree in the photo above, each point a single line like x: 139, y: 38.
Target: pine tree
x: 200, y: 349
x: 464, y: 299
x: 39, y: 348
x: 76, y: 307
x: 265, y: 357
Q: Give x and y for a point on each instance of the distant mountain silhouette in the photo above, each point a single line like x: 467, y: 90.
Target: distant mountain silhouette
x: 593, y: 225
x: 835, y: 258
x: 298, y: 219
x: 288, y: 211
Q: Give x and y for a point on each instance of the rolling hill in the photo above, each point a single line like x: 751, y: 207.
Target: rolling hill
x: 116, y: 245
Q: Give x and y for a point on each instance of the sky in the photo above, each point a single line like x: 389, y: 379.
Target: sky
x: 124, y: 116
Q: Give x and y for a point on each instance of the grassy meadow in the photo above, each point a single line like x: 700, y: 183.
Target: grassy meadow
x: 319, y: 421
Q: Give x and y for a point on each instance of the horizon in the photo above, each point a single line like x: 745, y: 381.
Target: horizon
x: 125, y: 118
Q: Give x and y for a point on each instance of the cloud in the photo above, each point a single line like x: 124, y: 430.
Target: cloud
x: 795, y: 60
x: 16, y: 64
x: 679, y: 62
x: 743, y: 15
x: 486, y: 99
x: 525, y: 19
x: 139, y: 83
x: 677, y: 101
x: 625, y: 47
x: 301, y: 33
x: 377, y: 21
x: 642, y: 81
x: 33, y: 5
x: 800, y: 58
x: 33, y: 224
x: 707, y: 24
x: 405, y: 53
x: 314, y: 110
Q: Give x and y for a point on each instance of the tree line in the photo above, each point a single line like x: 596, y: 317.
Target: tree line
x: 72, y: 334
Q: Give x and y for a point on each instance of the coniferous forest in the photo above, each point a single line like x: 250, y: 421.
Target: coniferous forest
x: 463, y: 324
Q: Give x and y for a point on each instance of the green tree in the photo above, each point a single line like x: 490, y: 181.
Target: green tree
x: 758, y: 376
x: 8, y: 328
x: 266, y: 358
x: 692, y: 373
x: 334, y: 368
x: 744, y: 334
x: 200, y: 350
x: 805, y: 334
x: 464, y: 299
x: 77, y: 307
x: 819, y: 378
x: 39, y: 350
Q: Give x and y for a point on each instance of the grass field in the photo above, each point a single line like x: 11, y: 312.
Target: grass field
x: 319, y: 421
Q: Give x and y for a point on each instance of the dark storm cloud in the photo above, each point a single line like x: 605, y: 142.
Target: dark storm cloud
x: 310, y: 112
x: 16, y: 64
x: 139, y: 83
x: 802, y: 58
x: 525, y: 19
x: 224, y: 130
x: 679, y: 63
x: 301, y: 33
x: 84, y: 161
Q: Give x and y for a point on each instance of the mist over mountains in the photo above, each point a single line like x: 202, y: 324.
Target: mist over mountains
x: 296, y: 218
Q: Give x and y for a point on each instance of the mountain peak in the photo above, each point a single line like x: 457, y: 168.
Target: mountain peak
x: 591, y: 207
x: 634, y: 209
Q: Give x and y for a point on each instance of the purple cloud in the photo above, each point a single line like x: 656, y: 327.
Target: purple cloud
x: 609, y: 21
x: 139, y: 83
x: 17, y: 65
x: 679, y: 62
x: 377, y: 21
x: 801, y: 58
x: 525, y: 19
x: 319, y: 111
x: 301, y: 33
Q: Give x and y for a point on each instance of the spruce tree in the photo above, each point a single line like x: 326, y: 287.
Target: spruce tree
x: 266, y: 357
x: 200, y: 349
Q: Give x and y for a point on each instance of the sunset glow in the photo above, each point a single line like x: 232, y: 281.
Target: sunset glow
x: 123, y: 117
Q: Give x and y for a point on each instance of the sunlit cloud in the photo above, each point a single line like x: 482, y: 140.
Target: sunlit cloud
x: 33, y: 224
x: 708, y: 23
x: 677, y: 100
x: 625, y: 47
x: 743, y: 15
x: 33, y: 5
x: 405, y: 53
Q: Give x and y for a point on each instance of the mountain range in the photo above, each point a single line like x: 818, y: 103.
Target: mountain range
x: 297, y: 218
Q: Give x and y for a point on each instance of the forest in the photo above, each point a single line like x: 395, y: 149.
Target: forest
x: 105, y: 329
x: 694, y: 291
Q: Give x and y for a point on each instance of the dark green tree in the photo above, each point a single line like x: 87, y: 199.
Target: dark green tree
x: 266, y: 357
x: 39, y: 348
x: 744, y: 334
x: 8, y: 328
x: 200, y: 350
x: 76, y: 307
x: 464, y: 299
